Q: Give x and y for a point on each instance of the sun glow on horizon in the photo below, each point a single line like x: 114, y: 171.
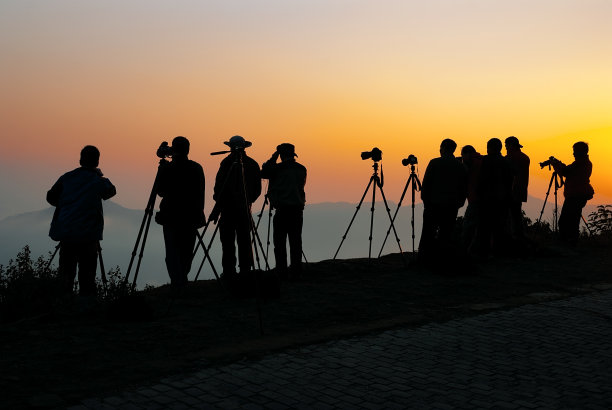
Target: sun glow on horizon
x: 333, y: 77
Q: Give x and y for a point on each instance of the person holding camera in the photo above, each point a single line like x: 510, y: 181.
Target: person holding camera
x: 78, y: 220
x: 181, y: 186
x: 237, y: 186
x: 287, y: 197
x: 577, y: 191
x: 443, y: 191
x: 520, y: 182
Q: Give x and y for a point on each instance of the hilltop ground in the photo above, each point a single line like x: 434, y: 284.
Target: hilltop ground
x: 63, y: 357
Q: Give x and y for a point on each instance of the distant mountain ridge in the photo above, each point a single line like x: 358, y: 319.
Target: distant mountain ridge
x: 324, y: 226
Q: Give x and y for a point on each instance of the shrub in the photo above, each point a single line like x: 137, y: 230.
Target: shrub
x: 27, y: 287
x: 600, y: 221
x: 31, y: 288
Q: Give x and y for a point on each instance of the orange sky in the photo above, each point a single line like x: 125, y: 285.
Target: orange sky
x: 334, y: 77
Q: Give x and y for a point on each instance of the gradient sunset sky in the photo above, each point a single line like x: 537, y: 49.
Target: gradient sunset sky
x: 334, y: 77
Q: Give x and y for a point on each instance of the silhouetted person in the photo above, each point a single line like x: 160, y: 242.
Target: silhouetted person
x: 520, y: 182
x: 577, y: 191
x: 495, y: 191
x: 443, y: 192
x: 286, y: 195
x: 78, y: 220
x: 472, y: 161
x: 236, y: 188
x: 181, y: 185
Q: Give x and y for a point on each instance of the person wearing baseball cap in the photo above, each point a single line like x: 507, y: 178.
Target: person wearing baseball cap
x: 520, y: 182
x: 287, y: 197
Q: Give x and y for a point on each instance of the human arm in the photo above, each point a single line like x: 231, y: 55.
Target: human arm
x: 53, y: 195
x: 268, y: 168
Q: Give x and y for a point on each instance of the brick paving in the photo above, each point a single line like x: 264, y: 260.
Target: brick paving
x: 553, y: 355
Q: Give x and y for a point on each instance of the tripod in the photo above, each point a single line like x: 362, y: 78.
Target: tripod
x: 558, y: 181
x: 143, y: 232
x: 415, y: 184
x: 376, y: 181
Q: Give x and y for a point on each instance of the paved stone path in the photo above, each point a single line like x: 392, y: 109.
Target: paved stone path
x: 554, y: 355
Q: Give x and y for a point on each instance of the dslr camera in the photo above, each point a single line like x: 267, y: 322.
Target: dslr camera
x: 375, y: 155
x: 411, y: 160
x: 164, y: 150
x: 549, y: 162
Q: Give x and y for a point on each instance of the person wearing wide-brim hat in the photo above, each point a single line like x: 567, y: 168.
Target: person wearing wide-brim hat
x: 237, y: 186
x: 286, y: 195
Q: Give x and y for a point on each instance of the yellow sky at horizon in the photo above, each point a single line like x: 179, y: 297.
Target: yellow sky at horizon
x: 333, y: 77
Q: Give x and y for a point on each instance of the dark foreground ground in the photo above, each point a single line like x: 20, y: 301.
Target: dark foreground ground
x: 72, y: 356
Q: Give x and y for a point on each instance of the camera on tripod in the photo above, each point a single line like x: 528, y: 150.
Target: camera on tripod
x: 411, y: 160
x: 549, y: 162
x: 375, y: 155
x: 164, y: 150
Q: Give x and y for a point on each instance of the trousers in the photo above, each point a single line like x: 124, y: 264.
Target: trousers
x: 288, y: 222
x: 83, y: 255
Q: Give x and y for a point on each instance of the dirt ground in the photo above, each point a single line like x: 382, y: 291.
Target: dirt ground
x: 64, y: 357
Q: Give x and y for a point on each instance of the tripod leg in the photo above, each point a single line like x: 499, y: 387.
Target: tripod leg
x: 354, y: 215
x: 102, y: 270
x: 258, y: 243
x: 414, y: 189
x: 146, y: 219
x: 586, y: 224
x: 207, y: 251
x: 268, y: 237
x: 144, y: 241
x: 556, y: 220
x: 207, y: 256
x: 52, y: 256
x: 372, y: 218
x: 198, y: 243
x: 382, y: 193
x: 259, y: 216
x: 399, y: 204
x: 552, y: 178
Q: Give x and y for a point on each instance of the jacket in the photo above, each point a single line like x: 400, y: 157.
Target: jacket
x: 520, y: 165
x: 577, y: 177
x: 495, y: 181
x: 229, y: 190
x: 77, y: 196
x: 181, y: 185
x: 287, y: 181
x: 444, y: 182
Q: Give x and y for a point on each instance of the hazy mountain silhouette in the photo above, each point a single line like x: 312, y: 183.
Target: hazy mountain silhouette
x: 324, y: 225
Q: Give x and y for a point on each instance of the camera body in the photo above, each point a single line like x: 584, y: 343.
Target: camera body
x: 549, y: 162
x: 375, y: 155
x: 411, y: 160
x: 164, y: 150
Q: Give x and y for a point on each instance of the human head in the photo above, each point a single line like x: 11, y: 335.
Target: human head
x: 180, y: 147
x: 90, y: 156
x: 448, y: 147
x: 237, y: 142
x: 467, y: 153
x: 581, y: 149
x: 286, y: 151
x: 494, y: 146
x: 512, y: 143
